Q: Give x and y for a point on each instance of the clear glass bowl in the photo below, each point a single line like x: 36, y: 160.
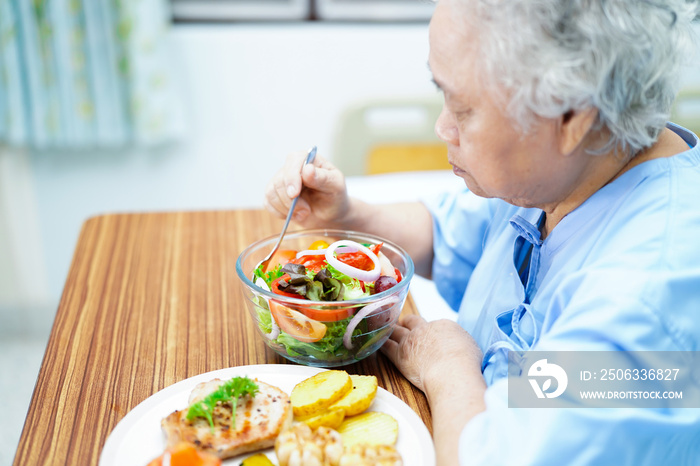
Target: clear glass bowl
x: 370, y: 319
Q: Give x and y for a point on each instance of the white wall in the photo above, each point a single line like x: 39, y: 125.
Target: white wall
x: 23, y: 284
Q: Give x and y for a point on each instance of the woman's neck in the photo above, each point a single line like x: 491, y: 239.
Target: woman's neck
x: 605, y: 170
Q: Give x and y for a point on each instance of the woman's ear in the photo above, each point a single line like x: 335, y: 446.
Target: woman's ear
x: 574, y: 126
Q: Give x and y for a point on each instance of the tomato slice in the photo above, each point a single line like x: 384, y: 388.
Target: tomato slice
x: 313, y: 263
x: 280, y: 257
x: 297, y: 324
x: 358, y: 259
x: 327, y: 315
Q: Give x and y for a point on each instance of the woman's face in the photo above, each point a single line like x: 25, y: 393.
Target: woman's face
x: 486, y: 149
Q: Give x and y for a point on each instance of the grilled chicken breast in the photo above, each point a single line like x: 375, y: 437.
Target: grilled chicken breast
x: 258, y: 422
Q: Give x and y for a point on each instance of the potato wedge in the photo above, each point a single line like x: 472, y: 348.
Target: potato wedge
x: 372, y: 428
x: 318, y: 392
x: 331, y: 417
x: 259, y: 459
x: 357, y: 400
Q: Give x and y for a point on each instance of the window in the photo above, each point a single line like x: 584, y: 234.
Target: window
x: 375, y: 10
x: 336, y: 10
x: 222, y: 10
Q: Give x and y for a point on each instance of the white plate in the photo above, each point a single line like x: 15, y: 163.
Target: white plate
x: 138, y: 438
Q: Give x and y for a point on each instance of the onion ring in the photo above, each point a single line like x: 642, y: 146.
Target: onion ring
x: 366, y: 276
x: 362, y: 313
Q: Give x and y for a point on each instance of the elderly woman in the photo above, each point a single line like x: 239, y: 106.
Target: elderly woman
x: 578, y: 228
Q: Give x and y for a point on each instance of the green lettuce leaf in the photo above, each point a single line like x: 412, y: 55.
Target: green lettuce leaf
x: 264, y: 315
x: 352, y: 286
x: 327, y: 348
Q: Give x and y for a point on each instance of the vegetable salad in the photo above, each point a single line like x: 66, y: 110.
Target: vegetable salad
x: 326, y: 274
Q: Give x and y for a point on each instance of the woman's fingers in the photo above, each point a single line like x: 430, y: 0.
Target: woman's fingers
x: 276, y: 200
x: 324, y: 178
x: 404, y: 327
x: 390, y: 348
x: 400, y: 332
x: 285, y: 185
x: 291, y: 175
x: 272, y: 201
x: 320, y: 188
x: 412, y: 321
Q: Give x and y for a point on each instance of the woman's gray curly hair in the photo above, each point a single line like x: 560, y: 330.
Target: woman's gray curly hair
x: 622, y: 57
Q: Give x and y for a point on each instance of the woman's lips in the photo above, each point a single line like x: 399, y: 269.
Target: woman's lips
x: 457, y: 171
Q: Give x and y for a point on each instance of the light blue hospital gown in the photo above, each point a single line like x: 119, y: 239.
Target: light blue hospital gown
x: 621, y: 272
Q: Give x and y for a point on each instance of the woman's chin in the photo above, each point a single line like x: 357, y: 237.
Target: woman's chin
x: 471, y: 184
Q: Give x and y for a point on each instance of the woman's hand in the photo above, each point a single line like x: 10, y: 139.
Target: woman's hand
x: 324, y: 203
x: 324, y: 200
x: 425, y: 351
x: 444, y: 361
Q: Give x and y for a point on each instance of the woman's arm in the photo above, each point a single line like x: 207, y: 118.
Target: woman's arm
x: 443, y: 361
x: 409, y: 225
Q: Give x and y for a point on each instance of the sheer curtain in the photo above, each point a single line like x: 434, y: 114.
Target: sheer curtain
x: 85, y: 73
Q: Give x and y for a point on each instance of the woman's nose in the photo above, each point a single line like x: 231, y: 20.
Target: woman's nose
x: 445, y: 128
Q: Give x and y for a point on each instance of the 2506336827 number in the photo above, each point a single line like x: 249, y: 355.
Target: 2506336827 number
x: 639, y: 374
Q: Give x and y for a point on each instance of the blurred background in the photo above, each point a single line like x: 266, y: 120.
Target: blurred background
x: 156, y: 105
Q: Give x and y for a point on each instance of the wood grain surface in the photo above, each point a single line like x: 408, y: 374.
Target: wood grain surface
x: 152, y: 299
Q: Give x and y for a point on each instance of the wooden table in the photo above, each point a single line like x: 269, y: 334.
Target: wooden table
x: 152, y: 299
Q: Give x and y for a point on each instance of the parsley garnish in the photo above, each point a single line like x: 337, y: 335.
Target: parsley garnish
x: 228, y: 391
